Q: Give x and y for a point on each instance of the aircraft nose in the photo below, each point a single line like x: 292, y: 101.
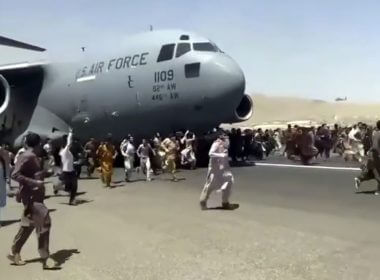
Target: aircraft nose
x: 230, y: 81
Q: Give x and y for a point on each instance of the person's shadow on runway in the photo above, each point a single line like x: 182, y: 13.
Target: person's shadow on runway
x: 9, y: 222
x: 60, y: 257
x: 233, y: 206
x: 64, y: 195
x: 242, y: 163
x: 79, y: 202
x: 366, y: 192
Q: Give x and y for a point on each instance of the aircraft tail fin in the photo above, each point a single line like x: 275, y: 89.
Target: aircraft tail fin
x: 21, y: 45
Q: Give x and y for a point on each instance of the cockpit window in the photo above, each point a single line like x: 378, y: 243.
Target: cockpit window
x: 205, y: 47
x: 182, y: 48
x: 184, y: 37
x: 166, y: 53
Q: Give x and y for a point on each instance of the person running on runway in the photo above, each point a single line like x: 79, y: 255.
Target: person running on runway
x: 219, y: 175
x: 128, y: 151
x: 371, y: 170
x: 68, y: 178
x: 143, y: 153
x: 90, y: 149
x: 106, y: 154
x: 187, y: 154
x: 170, y: 146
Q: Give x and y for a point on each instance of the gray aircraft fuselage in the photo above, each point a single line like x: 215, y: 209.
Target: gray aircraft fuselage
x: 160, y: 82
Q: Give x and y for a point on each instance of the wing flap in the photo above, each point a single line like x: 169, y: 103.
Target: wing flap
x: 21, y: 65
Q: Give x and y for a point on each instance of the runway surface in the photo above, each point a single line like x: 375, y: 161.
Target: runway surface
x: 292, y: 223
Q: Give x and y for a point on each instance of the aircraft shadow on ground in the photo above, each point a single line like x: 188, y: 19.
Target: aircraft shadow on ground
x: 60, y: 257
x: 9, y: 222
x: 234, y: 206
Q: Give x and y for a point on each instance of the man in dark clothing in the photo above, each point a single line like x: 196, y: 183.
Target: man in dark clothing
x: 233, y: 145
x: 79, y: 156
x: 290, y: 145
x: 367, y: 139
x: 325, y: 138
x: 335, y: 137
x: 371, y: 170
x: 248, y: 139
x: 29, y: 174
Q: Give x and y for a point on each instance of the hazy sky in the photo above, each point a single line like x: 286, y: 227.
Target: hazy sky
x: 311, y: 48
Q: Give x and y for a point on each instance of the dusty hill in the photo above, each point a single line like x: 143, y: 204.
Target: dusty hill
x: 286, y: 109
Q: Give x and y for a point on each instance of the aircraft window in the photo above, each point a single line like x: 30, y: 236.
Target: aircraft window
x: 205, y: 47
x: 166, y: 52
x: 192, y: 70
x: 184, y: 37
x: 216, y: 47
x: 182, y: 48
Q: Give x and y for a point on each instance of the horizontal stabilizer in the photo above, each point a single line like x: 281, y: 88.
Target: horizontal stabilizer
x: 17, y: 44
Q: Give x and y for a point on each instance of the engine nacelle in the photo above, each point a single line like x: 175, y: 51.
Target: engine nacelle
x: 5, y: 94
x: 244, y: 110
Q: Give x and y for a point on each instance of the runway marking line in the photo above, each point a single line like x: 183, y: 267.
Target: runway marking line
x: 309, y: 166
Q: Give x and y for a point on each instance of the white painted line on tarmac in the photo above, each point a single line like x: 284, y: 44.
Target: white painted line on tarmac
x: 309, y: 166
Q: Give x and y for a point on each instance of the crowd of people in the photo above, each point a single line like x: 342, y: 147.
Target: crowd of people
x: 305, y: 143
x: 66, y: 158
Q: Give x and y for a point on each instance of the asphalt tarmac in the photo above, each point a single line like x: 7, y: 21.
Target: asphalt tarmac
x: 292, y: 223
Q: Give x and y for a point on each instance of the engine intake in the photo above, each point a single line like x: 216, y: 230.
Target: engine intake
x: 244, y: 111
x: 5, y: 92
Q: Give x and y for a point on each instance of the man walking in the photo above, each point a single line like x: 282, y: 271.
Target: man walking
x: 219, y: 175
x: 28, y: 172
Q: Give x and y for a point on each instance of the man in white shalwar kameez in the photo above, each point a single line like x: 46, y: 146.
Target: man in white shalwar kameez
x: 219, y: 175
x: 143, y: 152
x: 128, y: 151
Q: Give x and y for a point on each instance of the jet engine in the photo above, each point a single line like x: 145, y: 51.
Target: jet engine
x: 5, y: 92
x: 244, y: 110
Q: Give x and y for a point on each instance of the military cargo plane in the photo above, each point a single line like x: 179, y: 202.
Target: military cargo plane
x: 162, y: 81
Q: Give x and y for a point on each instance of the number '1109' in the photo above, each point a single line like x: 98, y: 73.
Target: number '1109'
x: 163, y: 76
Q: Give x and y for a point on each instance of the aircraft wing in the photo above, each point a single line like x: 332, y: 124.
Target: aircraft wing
x: 16, y: 55
x: 21, y: 79
x: 18, y: 44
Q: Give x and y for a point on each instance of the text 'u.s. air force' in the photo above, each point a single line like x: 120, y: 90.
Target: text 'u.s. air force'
x: 119, y: 63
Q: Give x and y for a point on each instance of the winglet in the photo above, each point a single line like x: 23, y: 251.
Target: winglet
x: 17, y: 44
